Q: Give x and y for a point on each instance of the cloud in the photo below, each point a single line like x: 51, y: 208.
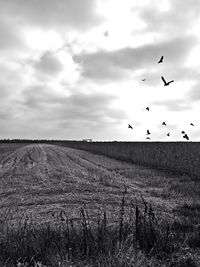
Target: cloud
x: 11, y: 79
x: 5, y: 91
x: 93, y: 107
x: 44, y: 92
x: 194, y: 93
x: 48, y: 64
x: 109, y: 65
x: 51, y: 13
x: 189, y: 10
x: 37, y: 97
x: 11, y: 35
x: 99, y: 67
x: 45, y: 103
x: 174, y: 104
x: 6, y: 113
x: 75, y: 116
x: 176, y: 21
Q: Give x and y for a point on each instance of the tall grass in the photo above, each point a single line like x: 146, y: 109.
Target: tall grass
x: 138, y: 238
x: 180, y: 157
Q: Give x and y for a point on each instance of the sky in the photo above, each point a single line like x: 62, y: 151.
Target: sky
x: 72, y: 69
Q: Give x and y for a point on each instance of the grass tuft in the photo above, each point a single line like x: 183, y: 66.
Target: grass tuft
x: 139, y: 236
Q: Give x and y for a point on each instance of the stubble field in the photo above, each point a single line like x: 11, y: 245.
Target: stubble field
x: 50, y: 184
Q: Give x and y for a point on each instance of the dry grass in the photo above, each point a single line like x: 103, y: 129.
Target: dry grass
x: 139, y: 237
x: 177, y: 157
x: 45, y: 181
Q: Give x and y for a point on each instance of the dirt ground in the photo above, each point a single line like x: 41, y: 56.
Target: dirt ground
x: 42, y: 180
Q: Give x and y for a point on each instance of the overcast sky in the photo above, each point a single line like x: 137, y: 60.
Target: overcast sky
x: 73, y: 69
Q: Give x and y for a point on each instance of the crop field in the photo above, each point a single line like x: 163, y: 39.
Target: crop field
x: 64, y: 206
x: 178, y: 157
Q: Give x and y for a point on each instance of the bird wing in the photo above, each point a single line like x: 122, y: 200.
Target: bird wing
x: 161, y: 59
x: 171, y: 81
x: 186, y: 137
x: 163, y: 79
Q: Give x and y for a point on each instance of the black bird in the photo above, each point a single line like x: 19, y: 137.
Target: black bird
x: 129, y: 126
x: 164, y: 123
x: 166, y: 83
x: 143, y: 80
x: 191, y: 124
x: 186, y: 136
x: 161, y: 60
x: 148, y: 138
x: 147, y: 108
x: 168, y: 134
x: 182, y: 132
x: 148, y: 132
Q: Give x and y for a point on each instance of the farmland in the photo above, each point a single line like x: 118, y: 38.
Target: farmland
x: 179, y: 157
x: 50, y: 189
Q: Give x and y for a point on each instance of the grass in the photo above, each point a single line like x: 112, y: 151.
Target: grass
x: 139, y: 238
x: 76, y: 208
x: 175, y: 157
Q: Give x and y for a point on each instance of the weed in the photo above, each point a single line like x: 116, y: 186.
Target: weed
x: 138, y: 231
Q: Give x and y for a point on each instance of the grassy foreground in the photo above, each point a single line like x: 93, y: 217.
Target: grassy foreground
x: 140, y: 237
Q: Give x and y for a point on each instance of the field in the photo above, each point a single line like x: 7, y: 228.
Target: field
x: 179, y: 157
x: 62, y: 206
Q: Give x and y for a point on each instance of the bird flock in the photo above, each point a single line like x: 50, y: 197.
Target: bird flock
x: 184, y: 134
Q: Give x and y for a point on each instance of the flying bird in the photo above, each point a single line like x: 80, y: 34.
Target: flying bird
x: 191, y: 124
x: 148, y: 138
x: 164, y: 123
x: 161, y: 60
x: 148, y: 132
x: 143, y: 80
x: 147, y: 108
x: 186, y: 136
x: 168, y: 134
x: 166, y: 83
x: 129, y: 126
x: 182, y: 132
